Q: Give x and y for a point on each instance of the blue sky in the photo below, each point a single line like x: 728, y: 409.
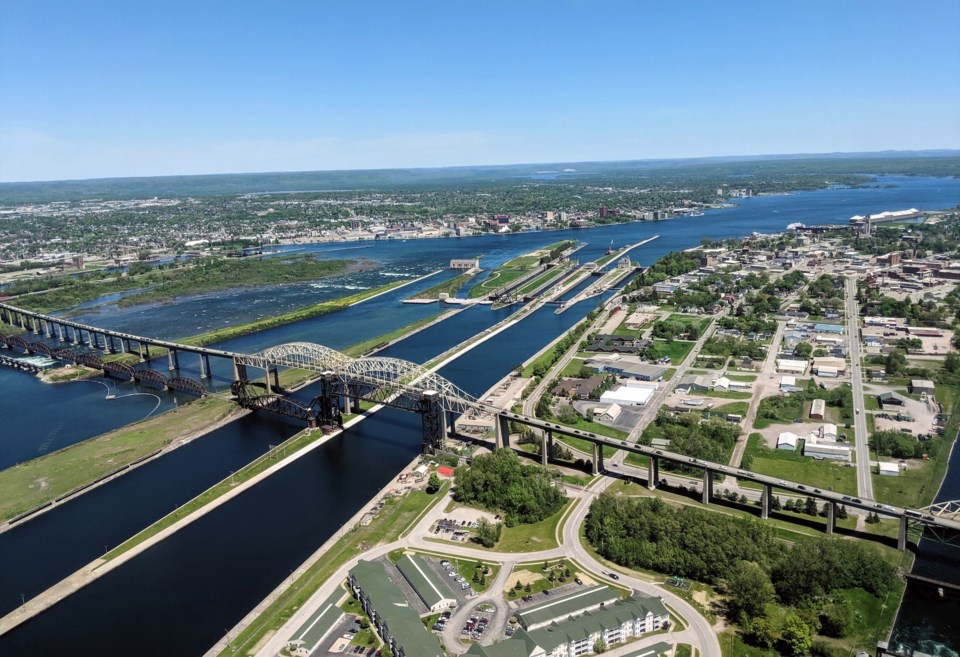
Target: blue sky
x: 97, y: 88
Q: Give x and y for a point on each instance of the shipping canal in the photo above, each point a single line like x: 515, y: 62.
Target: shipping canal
x: 179, y: 596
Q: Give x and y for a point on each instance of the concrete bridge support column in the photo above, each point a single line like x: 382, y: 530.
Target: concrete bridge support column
x: 707, y: 486
x: 205, y: 367
x: 545, y: 438
x: 451, y: 425
x: 23, y: 322
x: 502, y: 428
x: 35, y: 325
x: 902, y: 534
x: 47, y: 329
x: 60, y: 333
x: 354, y: 402
x: 831, y: 517
x: 173, y: 360
x: 653, y: 472
x: 765, y: 496
x: 597, y: 459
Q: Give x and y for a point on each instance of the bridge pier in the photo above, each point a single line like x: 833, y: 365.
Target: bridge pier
x: 60, y: 333
x: 902, y: 534
x: 354, y: 400
x: 653, y: 472
x: 766, y: 494
x: 143, y: 348
x: 47, y: 330
x: 831, y: 517
x: 124, y: 345
x: 546, y: 447
x: 173, y: 362
x: 597, y: 458
x: 707, y: 486
x: 205, y: 369
x: 502, y: 429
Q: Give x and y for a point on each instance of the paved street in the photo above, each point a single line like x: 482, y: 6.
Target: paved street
x: 864, y: 480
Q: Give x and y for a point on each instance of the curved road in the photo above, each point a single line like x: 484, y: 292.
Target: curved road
x: 698, y: 631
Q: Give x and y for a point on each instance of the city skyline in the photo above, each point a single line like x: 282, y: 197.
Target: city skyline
x: 116, y: 90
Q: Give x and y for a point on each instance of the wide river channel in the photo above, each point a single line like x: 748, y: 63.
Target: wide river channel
x: 180, y: 596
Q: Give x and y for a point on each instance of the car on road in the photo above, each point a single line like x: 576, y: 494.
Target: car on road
x: 578, y: 580
x: 858, y: 411
x: 801, y: 487
x: 817, y: 490
x: 613, y: 576
x: 658, y: 451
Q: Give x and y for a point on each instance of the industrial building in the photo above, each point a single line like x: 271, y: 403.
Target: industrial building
x: 628, y: 395
x: 817, y: 409
x: 791, y: 366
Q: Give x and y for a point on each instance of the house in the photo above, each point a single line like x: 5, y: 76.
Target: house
x: 577, y: 388
x: 787, y: 440
x: 918, y: 386
x: 891, y: 399
x: 397, y: 623
x: 828, y: 372
x: 817, y: 409
x: 791, y: 366
x: 609, y: 414
x: 789, y: 384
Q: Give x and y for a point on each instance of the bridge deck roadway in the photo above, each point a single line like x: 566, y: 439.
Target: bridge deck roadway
x: 119, y: 334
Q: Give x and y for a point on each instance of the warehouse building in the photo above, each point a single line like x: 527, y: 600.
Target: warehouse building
x: 431, y: 589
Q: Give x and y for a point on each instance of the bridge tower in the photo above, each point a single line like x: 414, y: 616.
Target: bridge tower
x: 328, y: 411
x: 434, y: 421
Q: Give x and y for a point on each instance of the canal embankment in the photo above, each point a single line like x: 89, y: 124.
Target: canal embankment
x: 39, y: 485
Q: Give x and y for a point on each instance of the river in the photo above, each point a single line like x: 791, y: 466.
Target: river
x: 178, y: 597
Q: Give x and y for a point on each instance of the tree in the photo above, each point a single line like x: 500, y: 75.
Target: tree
x: 433, y: 483
x: 488, y: 533
x: 810, y: 507
x: 760, y: 633
x: 749, y: 588
x: 599, y: 646
x: 385, y: 651
x: 836, y: 617
x: 796, y: 636
x: 951, y: 362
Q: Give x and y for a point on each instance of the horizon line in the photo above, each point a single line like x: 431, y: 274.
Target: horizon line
x: 923, y: 152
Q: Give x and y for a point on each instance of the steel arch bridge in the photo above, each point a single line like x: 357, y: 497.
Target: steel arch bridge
x: 389, y: 381
x: 376, y: 378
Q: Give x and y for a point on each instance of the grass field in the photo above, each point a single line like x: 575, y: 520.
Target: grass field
x: 550, y: 275
x: 504, y: 274
x: 676, y: 350
x: 449, y: 287
x: 792, y: 466
x: 28, y: 485
x: 701, y: 322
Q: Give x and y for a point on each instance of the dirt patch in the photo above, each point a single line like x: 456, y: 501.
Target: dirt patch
x: 524, y: 577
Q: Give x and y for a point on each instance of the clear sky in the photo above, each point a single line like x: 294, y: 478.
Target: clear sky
x: 125, y: 88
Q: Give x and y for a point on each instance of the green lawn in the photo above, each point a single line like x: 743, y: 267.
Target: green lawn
x: 573, y: 367
x: 792, y: 466
x: 556, y: 566
x: 532, y: 538
x: 701, y: 322
x: 504, y: 274
x: 676, y: 350
x: 550, y: 274
x: 728, y: 394
x: 742, y: 377
x: 736, y: 408
x: 28, y: 485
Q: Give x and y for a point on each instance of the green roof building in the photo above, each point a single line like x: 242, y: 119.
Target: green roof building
x: 396, y: 622
x: 614, y: 623
x: 562, y: 607
x: 432, y: 590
